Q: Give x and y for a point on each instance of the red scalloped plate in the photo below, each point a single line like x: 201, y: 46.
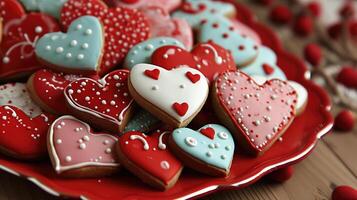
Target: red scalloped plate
x: 298, y: 142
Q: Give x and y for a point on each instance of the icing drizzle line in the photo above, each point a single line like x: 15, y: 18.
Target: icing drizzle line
x: 162, y: 145
x: 138, y: 137
x: 218, y: 59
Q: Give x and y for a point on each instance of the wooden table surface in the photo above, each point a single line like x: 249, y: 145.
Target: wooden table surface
x: 332, y: 163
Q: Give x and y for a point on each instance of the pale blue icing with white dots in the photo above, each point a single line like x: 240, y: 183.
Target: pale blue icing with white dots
x: 221, y: 31
x: 265, y: 56
x: 78, y: 49
x: 51, y: 7
x: 142, y: 121
x: 217, y: 152
x: 212, y: 10
x: 141, y: 53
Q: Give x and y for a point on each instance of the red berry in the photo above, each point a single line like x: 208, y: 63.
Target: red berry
x: 347, y: 10
x: 281, y: 14
x: 265, y: 2
x: 282, y: 175
x: 303, y: 25
x: 314, y: 8
x: 334, y: 31
x: 313, y: 54
x: 344, y: 192
x: 348, y: 77
x: 345, y: 121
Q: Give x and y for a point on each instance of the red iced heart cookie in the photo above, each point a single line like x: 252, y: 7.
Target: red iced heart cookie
x: 149, y: 158
x: 208, y: 58
x: 161, y: 24
x: 76, y: 151
x: 105, y: 103
x: 21, y: 136
x: 46, y: 88
x: 123, y: 27
x: 19, y: 35
x: 256, y: 114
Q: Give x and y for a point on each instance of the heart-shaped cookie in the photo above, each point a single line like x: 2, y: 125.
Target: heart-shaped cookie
x: 265, y: 65
x: 23, y: 137
x: 199, y: 11
x: 50, y: 7
x: 149, y: 158
x: 302, y: 93
x: 77, y: 51
x: 172, y: 96
x: 208, y: 58
x: 142, y: 52
x: 257, y: 115
x: 105, y: 103
x: 123, y: 28
x: 222, y: 31
x: 20, y: 32
x: 76, y: 151
x: 208, y: 150
x: 46, y: 88
x: 161, y: 24
x: 167, y: 5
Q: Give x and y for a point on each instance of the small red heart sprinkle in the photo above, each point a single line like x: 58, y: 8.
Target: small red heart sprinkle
x: 208, y: 132
x: 180, y: 108
x: 303, y: 25
x: 193, y: 77
x: 267, y: 69
x: 281, y: 14
x: 282, y: 175
x: 344, y: 192
x: 345, y: 121
x: 154, y: 74
x: 312, y: 54
x: 348, y: 77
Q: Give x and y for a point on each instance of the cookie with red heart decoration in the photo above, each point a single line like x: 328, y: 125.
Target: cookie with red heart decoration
x: 123, y: 28
x: 23, y: 124
x: 167, y: 5
x: 46, y: 89
x: 257, y: 115
x: 148, y: 157
x: 105, y: 103
x: 161, y: 24
x: 77, y: 51
x: 76, y: 151
x: 20, y: 32
x: 174, y: 96
x: 209, y: 58
x: 22, y: 136
x: 208, y: 150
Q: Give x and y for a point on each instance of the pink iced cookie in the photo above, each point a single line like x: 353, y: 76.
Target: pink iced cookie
x: 168, y: 5
x: 76, y: 151
x: 161, y: 24
x: 246, y: 30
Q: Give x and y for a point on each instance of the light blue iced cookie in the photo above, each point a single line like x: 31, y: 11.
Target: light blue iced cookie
x: 141, y: 53
x: 77, y: 50
x: 222, y: 32
x: 51, y: 7
x: 197, y: 11
x: 142, y: 121
x: 212, y: 144
x: 265, y: 65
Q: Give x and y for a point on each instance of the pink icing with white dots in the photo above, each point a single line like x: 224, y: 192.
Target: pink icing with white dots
x: 73, y: 145
x: 260, y: 112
